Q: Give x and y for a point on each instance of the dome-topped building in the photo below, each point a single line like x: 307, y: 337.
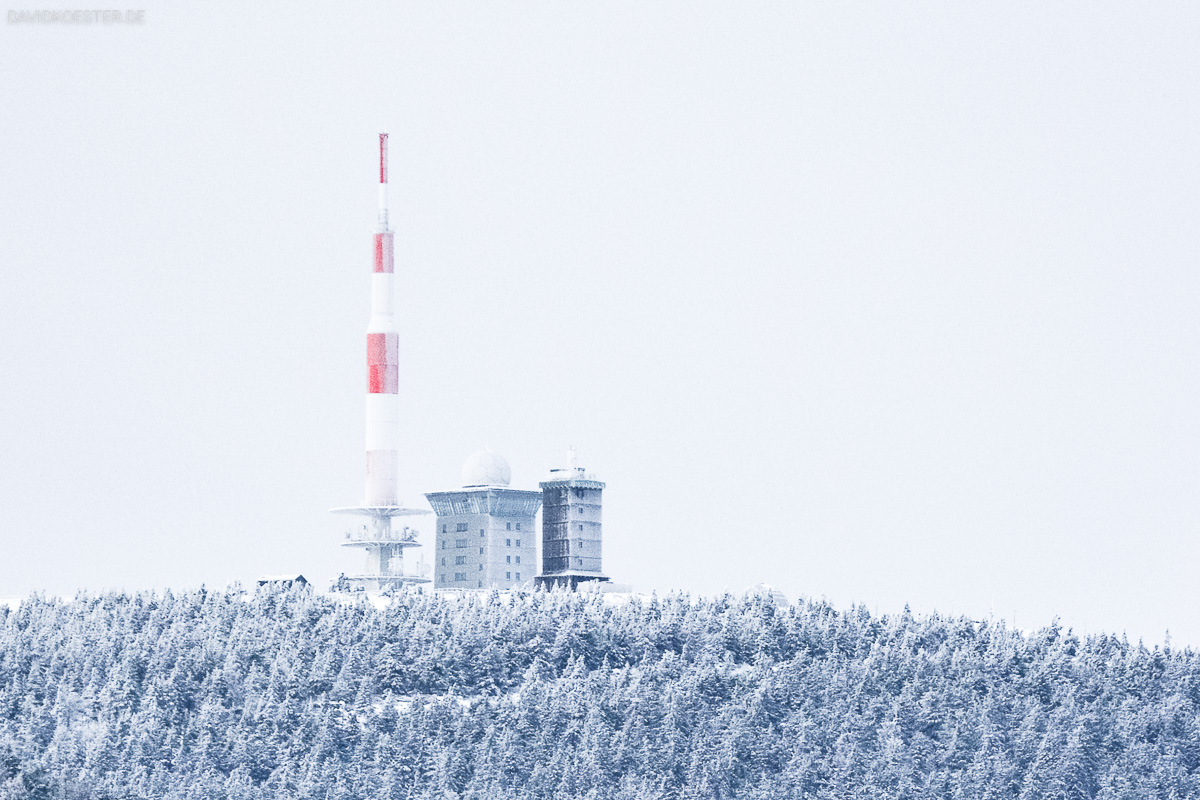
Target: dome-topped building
x: 486, y: 535
x: 486, y: 468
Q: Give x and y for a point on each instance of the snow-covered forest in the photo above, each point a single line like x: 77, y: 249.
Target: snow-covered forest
x: 289, y: 693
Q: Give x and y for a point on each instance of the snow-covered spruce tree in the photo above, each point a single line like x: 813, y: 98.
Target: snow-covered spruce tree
x: 284, y: 692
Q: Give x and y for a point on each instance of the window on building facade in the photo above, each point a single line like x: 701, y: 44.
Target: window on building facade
x: 481, y: 567
x: 518, y: 559
x: 518, y: 526
x: 580, y: 527
x: 518, y: 576
x: 508, y: 526
x: 443, y: 561
x: 462, y: 526
x: 460, y: 560
x: 508, y: 559
x: 443, y: 527
x: 460, y: 542
x: 508, y: 542
x: 508, y: 576
x: 518, y: 542
x: 443, y: 544
x: 481, y: 531
x: 480, y: 551
x: 481, y: 534
x: 481, y: 583
x: 460, y: 576
x: 443, y: 578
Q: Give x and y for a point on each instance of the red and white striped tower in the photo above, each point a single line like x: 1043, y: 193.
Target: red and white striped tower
x: 383, y: 369
x: 381, y: 502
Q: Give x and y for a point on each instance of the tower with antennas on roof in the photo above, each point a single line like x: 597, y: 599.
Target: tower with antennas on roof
x: 571, y: 526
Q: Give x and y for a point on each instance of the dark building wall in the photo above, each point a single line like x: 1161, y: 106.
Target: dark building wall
x: 571, y: 526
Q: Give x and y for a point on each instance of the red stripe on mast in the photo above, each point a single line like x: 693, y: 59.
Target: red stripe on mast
x: 383, y: 363
x: 383, y: 252
x: 383, y: 158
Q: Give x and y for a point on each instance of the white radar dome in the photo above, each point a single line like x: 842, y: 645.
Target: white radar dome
x: 486, y: 468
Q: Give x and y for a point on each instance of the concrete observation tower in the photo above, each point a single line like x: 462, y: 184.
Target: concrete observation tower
x: 380, y: 537
x: 571, y: 527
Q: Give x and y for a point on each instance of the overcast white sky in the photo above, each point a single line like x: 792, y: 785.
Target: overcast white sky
x: 887, y: 305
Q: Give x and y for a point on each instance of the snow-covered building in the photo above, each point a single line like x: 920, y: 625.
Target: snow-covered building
x: 486, y: 532
x: 571, y: 526
x: 291, y: 579
x: 769, y: 592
